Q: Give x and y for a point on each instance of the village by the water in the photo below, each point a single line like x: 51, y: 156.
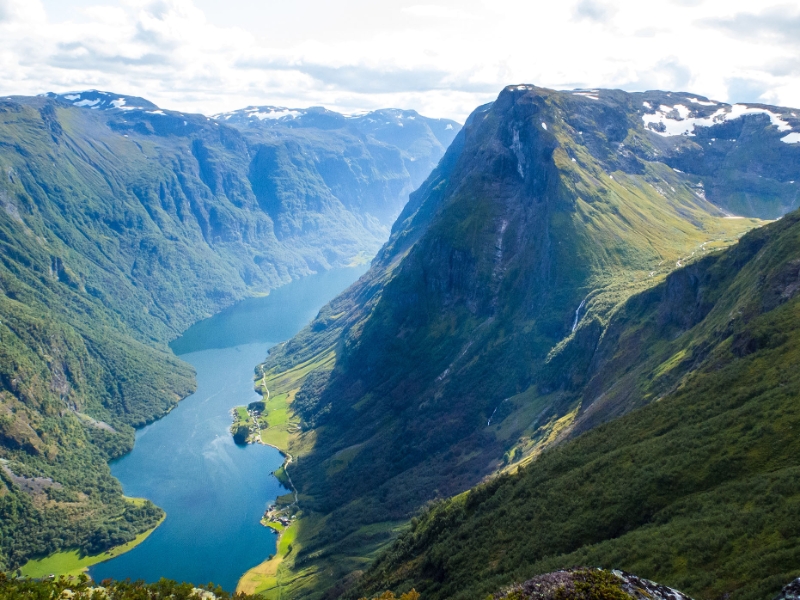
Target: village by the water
x: 246, y: 429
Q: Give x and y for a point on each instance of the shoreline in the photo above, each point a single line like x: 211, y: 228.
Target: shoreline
x: 70, y: 563
x: 265, y: 577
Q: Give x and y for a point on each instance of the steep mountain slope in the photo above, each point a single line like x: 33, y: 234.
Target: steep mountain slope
x: 120, y: 225
x: 468, y: 342
x: 698, y: 490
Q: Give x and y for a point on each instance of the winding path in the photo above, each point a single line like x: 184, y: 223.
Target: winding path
x: 289, y: 457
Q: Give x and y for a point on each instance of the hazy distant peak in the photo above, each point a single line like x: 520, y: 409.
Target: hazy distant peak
x: 98, y: 100
x: 260, y: 113
x: 320, y: 117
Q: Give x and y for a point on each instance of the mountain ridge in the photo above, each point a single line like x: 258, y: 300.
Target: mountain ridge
x: 441, y: 365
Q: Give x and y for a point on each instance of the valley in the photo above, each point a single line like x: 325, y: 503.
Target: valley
x: 121, y: 225
x: 575, y: 348
x: 212, y: 490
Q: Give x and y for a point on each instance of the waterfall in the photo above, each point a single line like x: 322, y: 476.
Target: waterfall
x: 577, y: 315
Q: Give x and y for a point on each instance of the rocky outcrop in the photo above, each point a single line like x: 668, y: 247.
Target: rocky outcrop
x: 589, y: 584
x: 790, y: 592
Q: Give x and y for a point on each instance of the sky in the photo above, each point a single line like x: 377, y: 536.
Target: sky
x: 442, y: 57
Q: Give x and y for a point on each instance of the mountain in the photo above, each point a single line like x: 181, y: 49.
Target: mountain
x: 121, y: 224
x: 698, y: 490
x: 97, y: 100
x: 421, y: 142
x: 469, y: 345
x: 732, y: 149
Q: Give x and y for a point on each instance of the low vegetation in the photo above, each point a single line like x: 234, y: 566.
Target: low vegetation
x: 72, y: 563
x: 83, y: 588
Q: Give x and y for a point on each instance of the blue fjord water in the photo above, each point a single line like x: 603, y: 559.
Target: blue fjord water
x: 213, y: 491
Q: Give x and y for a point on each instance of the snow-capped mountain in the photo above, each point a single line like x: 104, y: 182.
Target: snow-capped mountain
x: 391, y: 125
x: 670, y: 114
x: 97, y: 100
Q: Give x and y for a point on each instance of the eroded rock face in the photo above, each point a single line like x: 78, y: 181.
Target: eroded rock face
x: 590, y: 584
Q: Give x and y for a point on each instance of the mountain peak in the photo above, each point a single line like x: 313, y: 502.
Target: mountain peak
x: 260, y: 113
x: 99, y: 100
x: 323, y: 118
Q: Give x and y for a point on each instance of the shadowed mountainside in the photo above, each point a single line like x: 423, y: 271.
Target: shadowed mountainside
x: 698, y: 490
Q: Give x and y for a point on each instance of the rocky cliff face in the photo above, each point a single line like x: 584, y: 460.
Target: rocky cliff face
x: 467, y: 345
x: 791, y: 591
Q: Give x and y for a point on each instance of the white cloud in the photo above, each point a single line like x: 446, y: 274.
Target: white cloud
x: 442, y: 58
x: 593, y: 10
x: 437, y: 11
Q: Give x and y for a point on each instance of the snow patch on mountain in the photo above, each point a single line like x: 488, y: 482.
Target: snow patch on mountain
x: 274, y: 113
x: 89, y: 103
x: 261, y: 113
x: 675, y: 120
x: 97, y: 100
x: 792, y: 138
x: 702, y: 102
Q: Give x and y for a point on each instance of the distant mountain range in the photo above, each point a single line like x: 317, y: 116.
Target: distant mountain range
x: 120, y: 225
x: 505, y: 316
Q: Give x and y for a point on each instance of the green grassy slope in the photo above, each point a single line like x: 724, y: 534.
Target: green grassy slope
x: 118, y: 229
x: 698, y: 490
x: 549, y: 210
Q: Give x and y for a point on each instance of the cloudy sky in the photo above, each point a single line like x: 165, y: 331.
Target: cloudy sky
x: 441, y: 57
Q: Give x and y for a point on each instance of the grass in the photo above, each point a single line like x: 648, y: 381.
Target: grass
x: 265, y: 579
x: 271, y: 578
x: 279, y: 527
x: 279, y: 422
x: 280, y: 428
x: 71, y: 563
